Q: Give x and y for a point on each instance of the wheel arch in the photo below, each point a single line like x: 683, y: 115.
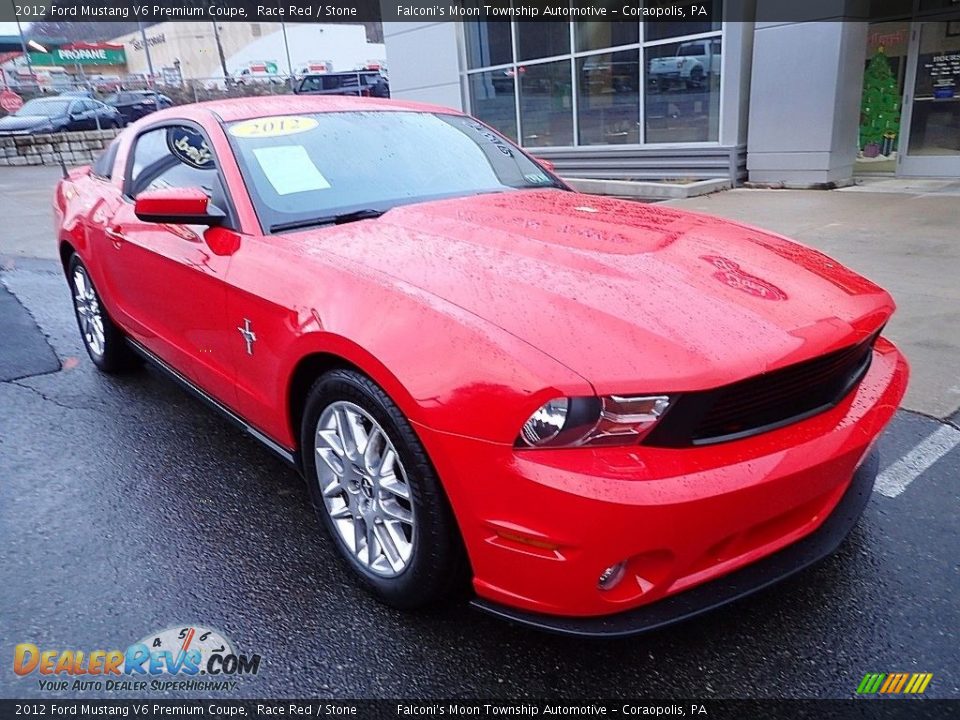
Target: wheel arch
x: 336, y: 353
x: 67, y: 250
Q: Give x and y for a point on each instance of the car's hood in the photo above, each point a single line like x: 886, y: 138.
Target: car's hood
x: 633, y: 297
x: 24, y: 122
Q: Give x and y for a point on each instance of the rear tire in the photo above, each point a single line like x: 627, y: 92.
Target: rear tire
x: 376, y: 493
x: 103, y: 340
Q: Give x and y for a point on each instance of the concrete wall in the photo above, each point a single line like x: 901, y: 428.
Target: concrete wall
x: 76, y: 148
x: 805, y: 101
x: 424, y: 62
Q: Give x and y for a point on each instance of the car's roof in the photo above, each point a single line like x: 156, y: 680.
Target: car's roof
x: 254, y: 107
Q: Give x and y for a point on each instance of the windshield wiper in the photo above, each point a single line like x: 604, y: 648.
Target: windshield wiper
x: 339, y: 219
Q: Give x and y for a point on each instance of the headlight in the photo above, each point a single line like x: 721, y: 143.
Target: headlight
x: 546, y: 423
x: 610, y: 420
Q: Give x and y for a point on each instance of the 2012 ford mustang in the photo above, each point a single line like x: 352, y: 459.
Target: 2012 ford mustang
x: 606, y: 415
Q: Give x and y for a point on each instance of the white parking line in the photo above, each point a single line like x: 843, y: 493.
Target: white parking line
x: 895, y: 479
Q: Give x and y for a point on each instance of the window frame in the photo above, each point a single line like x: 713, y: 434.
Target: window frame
x: 231, y: 221
x: 719, y: 34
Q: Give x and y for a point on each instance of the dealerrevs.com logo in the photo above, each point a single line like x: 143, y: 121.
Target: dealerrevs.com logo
x: 179, y: 658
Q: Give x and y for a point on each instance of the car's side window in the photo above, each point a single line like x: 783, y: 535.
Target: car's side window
x: 103, y: 167
x: 312, y: 84
x: 175, y: 156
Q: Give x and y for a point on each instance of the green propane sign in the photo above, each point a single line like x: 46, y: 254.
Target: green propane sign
x: 80, y: 56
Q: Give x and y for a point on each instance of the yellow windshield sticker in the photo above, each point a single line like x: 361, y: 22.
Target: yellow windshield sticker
x: 268, y: 127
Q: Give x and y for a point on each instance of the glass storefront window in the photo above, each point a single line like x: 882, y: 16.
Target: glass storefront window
x: 542, y: 39
x: 682, y: 100
x: 608, y: 95
x: 599, y: 35
x: 694, y: 26
x: 493, y: 100
x: 596, y: 77
x: 546, y: 107
x: 488, y: 43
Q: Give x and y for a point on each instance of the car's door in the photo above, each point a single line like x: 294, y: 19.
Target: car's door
x: 168, y: 279
x: 75, y: 117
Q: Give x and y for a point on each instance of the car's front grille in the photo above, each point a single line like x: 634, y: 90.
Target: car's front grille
x: 764, y: 402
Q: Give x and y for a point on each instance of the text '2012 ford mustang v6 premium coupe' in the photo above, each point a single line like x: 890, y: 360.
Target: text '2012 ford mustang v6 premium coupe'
x: 604, y: 415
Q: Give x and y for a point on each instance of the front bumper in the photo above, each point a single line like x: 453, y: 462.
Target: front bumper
x: 726, y: 589
x: 697, y: 527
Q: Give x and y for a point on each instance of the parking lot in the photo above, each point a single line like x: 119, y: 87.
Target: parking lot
x: 127, y: 507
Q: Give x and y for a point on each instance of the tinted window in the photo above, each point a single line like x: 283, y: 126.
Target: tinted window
x: 50, y: 108
x: 311, y: 84
x: 338, y: 162
x: 157, y: 164
x: 103, y: 167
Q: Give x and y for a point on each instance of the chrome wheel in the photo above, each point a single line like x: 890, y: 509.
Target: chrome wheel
x: 88, y: 311
x: 364, y: 488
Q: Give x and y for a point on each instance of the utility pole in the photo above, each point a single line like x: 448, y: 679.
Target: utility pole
x: 286, y: 46
x: 146, y: 49
x: 223, y: 59
x: 26, y: 54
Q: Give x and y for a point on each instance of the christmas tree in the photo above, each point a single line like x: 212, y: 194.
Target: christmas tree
x: 880, y: 105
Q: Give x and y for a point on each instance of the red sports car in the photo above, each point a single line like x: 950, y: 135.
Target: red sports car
x: 605, y: 415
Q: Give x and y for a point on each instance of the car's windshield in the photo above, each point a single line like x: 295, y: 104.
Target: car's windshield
x: 310, y: 167
x: 50, y: 108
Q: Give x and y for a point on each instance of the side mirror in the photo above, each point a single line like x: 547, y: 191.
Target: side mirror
x: 548, y: 164
x: 177, y: 206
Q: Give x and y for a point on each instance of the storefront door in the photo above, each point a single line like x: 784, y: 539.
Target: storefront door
x: 930, y: 143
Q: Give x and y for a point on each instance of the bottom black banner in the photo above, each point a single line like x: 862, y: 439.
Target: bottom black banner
x: 886, y: 709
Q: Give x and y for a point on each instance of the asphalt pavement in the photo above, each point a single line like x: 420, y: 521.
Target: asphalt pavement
x: 127, y: 507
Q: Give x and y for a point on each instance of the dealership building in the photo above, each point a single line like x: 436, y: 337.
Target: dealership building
x: 801, y: 103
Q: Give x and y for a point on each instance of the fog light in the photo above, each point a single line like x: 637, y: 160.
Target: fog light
x: 612, y: 575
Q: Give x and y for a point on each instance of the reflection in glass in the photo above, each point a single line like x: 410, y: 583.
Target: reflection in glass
x: 546, y: 112
x: 488, y: 43
x: 493, y: 100
x: 597, y: 35
x: 608, y: 98
x: 542, y: 39
x: 935, y: 119
x: 682, y: 101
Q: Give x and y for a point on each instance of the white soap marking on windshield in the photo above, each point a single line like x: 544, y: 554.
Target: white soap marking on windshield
x: 289, y: 169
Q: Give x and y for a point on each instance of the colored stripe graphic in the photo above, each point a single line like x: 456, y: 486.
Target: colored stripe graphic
x: 894, y: 683
x: 870, y: 683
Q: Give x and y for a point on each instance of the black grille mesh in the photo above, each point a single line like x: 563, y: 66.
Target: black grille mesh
x: 764, y: 402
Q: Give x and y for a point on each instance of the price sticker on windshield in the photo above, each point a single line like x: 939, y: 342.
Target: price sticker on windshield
x: 270, y: 127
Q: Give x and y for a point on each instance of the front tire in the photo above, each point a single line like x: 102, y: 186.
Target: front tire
x: 103, y: 340
x: 375, y: 491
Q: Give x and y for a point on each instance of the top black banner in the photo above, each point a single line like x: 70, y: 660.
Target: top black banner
x: 325, y: 11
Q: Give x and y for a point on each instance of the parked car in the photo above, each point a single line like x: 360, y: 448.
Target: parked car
x: 602, y: 414
x: 134, y: 104
x: 60, y: 114
x: 695, y: 62
x: 362, y: 83
x: 81, y: 93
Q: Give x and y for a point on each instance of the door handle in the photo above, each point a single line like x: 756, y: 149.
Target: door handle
x: 115, y: 236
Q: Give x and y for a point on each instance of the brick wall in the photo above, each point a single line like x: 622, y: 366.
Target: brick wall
x: 77, y: 148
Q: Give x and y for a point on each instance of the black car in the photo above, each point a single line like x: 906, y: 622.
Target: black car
x: 58, y: 114
x: 363, y: 83
x: 134, y: 104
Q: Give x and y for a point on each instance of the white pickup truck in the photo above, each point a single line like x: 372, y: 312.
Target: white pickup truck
x: 695, y: 62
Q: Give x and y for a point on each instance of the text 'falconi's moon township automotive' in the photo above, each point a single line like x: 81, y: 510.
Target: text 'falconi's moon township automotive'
x: 600, y: 415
